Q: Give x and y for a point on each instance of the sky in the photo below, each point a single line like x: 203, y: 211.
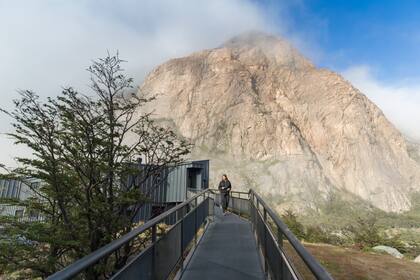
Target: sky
x: 46, y: 44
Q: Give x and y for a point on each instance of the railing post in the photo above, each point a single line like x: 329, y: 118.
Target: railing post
x: 233, y: 204
x: 240, y: 205
x: 154, y: 237
x: 182, y: 240
x: 279, y: 237
x: 252, y: 211
x: 154, y: 233
x: 195, y: 223
x: 214, y: 202
x: 258, y: 205
x: 265, y: 243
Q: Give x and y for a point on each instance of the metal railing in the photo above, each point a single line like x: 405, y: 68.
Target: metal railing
x: 162, y: 254
x: 283, y: 256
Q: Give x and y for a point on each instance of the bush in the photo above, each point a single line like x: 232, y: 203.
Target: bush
x: 317, y: 234
x: 290, y: 219
x: 366, y: 233
x: 311, y: 233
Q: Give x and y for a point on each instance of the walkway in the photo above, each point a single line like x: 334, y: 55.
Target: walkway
x: 226, y: 251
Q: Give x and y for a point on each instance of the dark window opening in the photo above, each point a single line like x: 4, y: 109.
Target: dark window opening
x: 19, y: 213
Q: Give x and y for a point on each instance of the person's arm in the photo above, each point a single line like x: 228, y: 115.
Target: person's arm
x: 229, y: 187
x: 220, y: 186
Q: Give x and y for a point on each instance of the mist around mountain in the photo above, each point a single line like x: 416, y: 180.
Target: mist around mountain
x: 300, y: 135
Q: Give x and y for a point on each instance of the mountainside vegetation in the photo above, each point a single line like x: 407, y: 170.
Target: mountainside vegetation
x: 343, y: 243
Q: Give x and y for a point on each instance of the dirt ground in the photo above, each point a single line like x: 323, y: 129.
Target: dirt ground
x: 348, y: 263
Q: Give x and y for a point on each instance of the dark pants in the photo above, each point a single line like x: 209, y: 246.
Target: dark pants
x: 225, y: 200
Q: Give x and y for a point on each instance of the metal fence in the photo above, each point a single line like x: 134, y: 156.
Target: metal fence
x: 284, y: 257
x: 165, y: 251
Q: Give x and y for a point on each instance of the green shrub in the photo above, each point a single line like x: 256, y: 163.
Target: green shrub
x: 318, y: 234
x: 290, y: 219
x: 366, y: 233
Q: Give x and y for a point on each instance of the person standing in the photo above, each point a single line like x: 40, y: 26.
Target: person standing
x: 224, y: 188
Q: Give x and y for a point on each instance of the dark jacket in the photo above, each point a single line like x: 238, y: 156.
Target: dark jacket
x: 225, y: 186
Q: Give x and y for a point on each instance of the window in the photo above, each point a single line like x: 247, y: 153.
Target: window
x: 19, y: 213
x: 33, y: 215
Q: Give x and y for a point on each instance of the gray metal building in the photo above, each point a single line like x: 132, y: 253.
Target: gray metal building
x: 174, y: 186
x: 18, y: 190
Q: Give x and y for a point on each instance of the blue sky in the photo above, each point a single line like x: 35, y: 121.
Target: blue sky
x: 384, y: 34
x: 47, y: 44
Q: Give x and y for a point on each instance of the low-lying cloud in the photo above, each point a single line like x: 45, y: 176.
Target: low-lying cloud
x: 399, y: 102
x: 47, y: 44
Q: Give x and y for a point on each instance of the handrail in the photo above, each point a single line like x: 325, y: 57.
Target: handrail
x: 252, y: 199
x: 231, y: 192
x: 316, y: 268
x: 83, y: 263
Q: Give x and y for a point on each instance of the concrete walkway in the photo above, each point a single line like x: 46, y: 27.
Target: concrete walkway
x: 227, y: 251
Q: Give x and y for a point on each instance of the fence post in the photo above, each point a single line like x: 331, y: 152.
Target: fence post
x: 233, y: 204
x: 182, y: 242
x: 265, y: 242
x: 195, y: 222
x: 279, y: 237
x: 258, y: 205
x: 154, y: 238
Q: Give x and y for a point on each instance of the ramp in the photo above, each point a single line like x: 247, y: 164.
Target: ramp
x: 227, y: 251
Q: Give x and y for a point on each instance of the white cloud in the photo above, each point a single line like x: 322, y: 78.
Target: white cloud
x: 46, y: 44
x: 399, y: 102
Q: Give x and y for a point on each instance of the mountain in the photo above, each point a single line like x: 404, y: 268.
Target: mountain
x: 273, y: 121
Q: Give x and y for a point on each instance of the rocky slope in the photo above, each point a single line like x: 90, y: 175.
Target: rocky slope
x: 271, y: 120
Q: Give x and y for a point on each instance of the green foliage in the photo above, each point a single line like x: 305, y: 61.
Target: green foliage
x: 310, y: 233
x: 82, y: 149
x: 363, y: 233
x: 291, y: 220
x: 317, y: 234
x: 340, y: 219
x: 366, y: 233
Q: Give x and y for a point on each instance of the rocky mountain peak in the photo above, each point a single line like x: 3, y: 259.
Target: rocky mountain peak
x: 269, y: 118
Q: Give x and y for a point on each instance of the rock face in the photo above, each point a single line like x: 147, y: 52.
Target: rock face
x: 271, y: 120
x: 389, y: 250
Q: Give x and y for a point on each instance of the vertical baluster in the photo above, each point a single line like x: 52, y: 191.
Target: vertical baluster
x: 154, y: 265
x: 182, y: 239
x: 265, y: 242
x: 195, y: 222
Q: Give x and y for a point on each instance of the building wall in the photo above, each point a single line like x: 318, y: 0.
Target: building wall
x: 18, y: 190
x: 173, y: 187
x: 176, y: 184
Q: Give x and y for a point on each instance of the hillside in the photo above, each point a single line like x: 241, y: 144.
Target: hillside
x: 347, y: 263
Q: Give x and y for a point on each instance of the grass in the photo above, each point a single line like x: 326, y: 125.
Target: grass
x: 348, y: 254
x: 348, y: 263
